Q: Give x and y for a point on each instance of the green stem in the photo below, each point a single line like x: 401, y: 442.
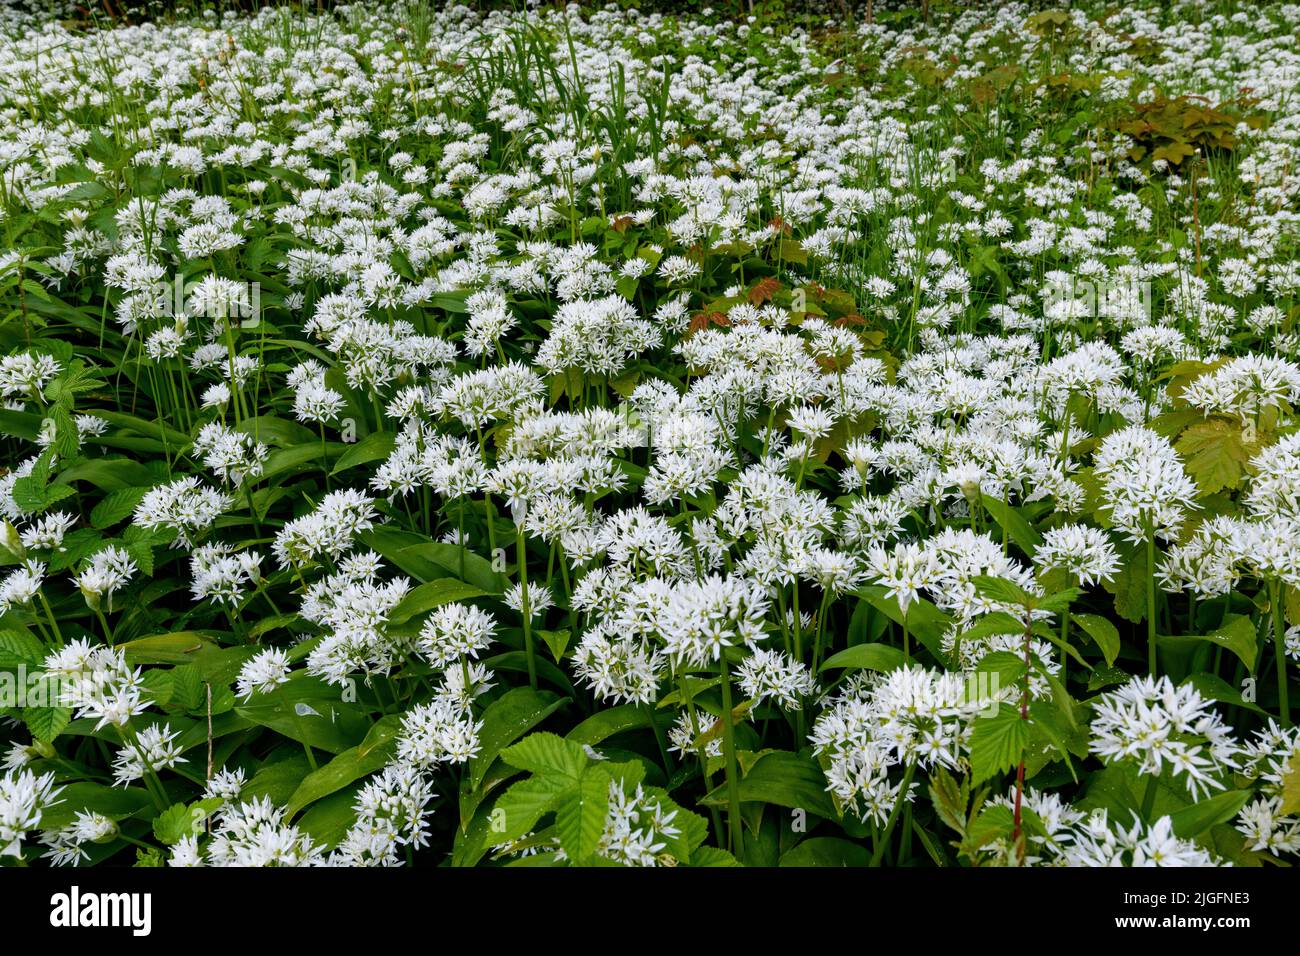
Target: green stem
x: 883, y: 842
x: 1151, y: 604
x: 733, y: 773
x: 521, y: 558
x: 1279, y: 650
x: 1149, y: 798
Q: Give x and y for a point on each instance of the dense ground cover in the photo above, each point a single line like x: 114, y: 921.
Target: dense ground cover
x: 607, y: 437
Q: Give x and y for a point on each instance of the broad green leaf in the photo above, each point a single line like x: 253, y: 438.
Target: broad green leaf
x: 1103, y: 633
x: 507, y: 719
x: 786, y: 780
x: 309, y: 713
x: 1237, y: 636
x: 179, y: 647
x: 426, y: 597
x: 1194, y: 820
x: 366, y: 758
x: 376, y: 446
x: 875, y: 657
x: 610, y: 721
x: 1019, y: 529
x: 116, y: 803
x: 827, y: 852
x: 1291, y: 787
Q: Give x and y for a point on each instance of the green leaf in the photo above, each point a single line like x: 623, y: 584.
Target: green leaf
x: 278, y: 777
x: 20, y: 648
x: 426, y: 597
x: 1194, y: 820
x: 991, y: 624
x: 116, y: 506
x: 556, y: 642
x: 827, y: 852
x: 116, y: 803
x: 784, y: 779
x: 1020, y: 531
x: 545, y: 753
x: 179, y: 821
x: 997, y: 743
x: 1214, y: 687
x: 178, y: 647
x: 328, y: 820
x: 46, y: 723
x: 606, y: 723
x: 309, y: 712
x: 376, y: 446
x: 950, y: 799
x: 366, y: 758
x: 712, y: 856
x: 875, y: 657
x: 580, y: 817
x: 507, y: 719
x: 925, y: 621
x: 1237, y: 636
x: 1129, y: 585
x: 517, y: 811
x: 285, y: 461
x: 1008, y: 667
x: 278, y: 432
x: 1001, y: 590
x: 1217, y: 453
x: 1291, y: 787
x: 1103, y: 633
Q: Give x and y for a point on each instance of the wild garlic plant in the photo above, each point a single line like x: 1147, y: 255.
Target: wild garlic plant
x: 597, y: 436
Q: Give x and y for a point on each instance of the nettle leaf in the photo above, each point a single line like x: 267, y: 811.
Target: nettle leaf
x: 20, y: 648
x: 518, y: 810
x: 1216, y: 453
x: 46, y: 723
x: 545, y: 753
x: 580, y: 818
x: 951, y: 799
x: 1006, y: 668
x: 179, y: 820
x: 997, y: 743
x: 994, y: 623
x: 116, y: 506
x: 1001, y: 590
